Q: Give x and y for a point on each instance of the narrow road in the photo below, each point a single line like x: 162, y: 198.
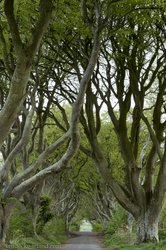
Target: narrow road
x: 82, y: 241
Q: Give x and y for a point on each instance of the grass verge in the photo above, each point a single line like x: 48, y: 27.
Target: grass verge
x: 123, y: 241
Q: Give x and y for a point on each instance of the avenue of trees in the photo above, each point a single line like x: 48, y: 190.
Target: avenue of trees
x: 83, y: 110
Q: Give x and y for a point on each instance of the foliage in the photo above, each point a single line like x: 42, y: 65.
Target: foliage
x: 74, y: 226
x: 109, y: 142
x: 68, y: 15
x: 70, y: 39
x: 20, y: 223
x: 118, y: 220
x: 45, y: 213
x: 162, y: 222
x: 21, y: 231
x: 55, y: 229
x: 30, y: 243
x: 162, y: 233
x: 150, y: 246
x: 24, y: 12
x: 119, y: 238
x: 97, y: 227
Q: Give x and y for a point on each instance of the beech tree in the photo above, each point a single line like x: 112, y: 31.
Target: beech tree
x: 33, y: 173
x: 118, y: 57
x: 24, y: 53
x: 18, y: 54
x: 133, y: 68
x: 129, y: 72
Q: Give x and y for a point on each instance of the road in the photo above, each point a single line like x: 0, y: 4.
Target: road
x: 82, y: 241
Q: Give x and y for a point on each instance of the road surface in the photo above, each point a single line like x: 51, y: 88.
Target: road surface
x: 82, y: 241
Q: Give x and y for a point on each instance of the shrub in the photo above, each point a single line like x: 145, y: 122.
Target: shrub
x: 97, y: 227
x: 74, y: 226
x: 162, y: 234
x: 55, y: 230
x: 45, y: 213
x: 118, y: 219
x: 119, y: 238
x: 20, y: 222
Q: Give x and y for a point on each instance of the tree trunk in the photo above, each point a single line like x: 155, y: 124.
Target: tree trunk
x: 104, y: 224
x: 34, y: 224
x: 6, y: 211
x: 130, y: 219
x: 147, y: 228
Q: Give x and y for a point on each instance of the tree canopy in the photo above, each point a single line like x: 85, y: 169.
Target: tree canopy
x: 83, y: 86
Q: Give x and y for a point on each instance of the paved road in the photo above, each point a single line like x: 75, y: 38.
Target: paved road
x: 82, y: 241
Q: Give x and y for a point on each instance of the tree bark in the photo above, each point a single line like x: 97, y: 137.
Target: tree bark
x: 21, y: 183
x: 6, y: 211
x: 147, y: 227
x: 145, y: 212
x: 24, y: 58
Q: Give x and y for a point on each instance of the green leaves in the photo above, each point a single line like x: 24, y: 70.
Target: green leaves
x: 26, y: 13
x: 68, y: 20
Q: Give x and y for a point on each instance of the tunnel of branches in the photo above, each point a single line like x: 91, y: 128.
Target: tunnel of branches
x: 83, y: 115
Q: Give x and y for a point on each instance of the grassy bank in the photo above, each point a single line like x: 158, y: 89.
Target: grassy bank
x: 122, y: 240
x: 156, y: 246
x: 31, y: 243
x: 53, y: 234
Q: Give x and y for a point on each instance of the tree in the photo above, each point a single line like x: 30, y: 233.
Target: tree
x: 133, y: 70
x: 24, y: 53
x: 129, y: 69
x: 32, y: 175
x: 124, y: 54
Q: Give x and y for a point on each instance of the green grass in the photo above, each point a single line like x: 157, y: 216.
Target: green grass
x: 123, y: 244
x: 53, y: 234
x: 31, y: 243
x: 150, y: 246
x: 121, y: 240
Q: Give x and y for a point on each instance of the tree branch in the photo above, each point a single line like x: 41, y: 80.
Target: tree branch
x: 9, y: 11
x: 73, y: 132
x: 153, y: 137
x: 5, y: 53
x: 23, y: 141
x: 46, y: 8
